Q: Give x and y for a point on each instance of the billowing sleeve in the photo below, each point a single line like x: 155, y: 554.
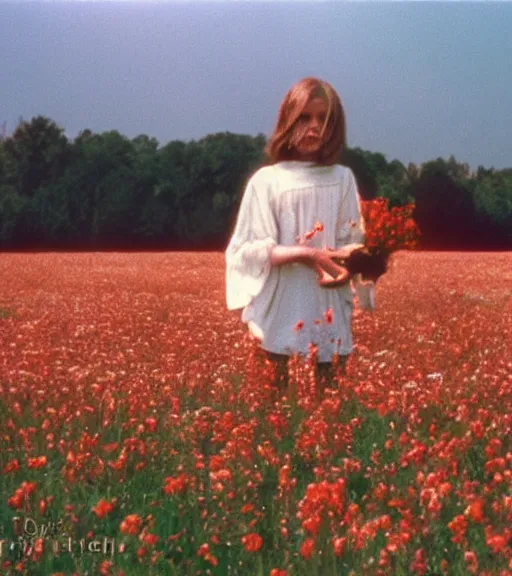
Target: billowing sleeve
x: 248, y: 253
x: 351, y: 230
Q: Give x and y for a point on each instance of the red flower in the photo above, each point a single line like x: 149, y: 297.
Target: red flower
x: 318, y: 227
x: 496, y: 542
x: 307, y: 548
x: 103, y: 507
x: 458, y: 527
x: 312, y: 524
x: 131, y: 524
x: 105, y: 567
x: 175, y: 485
x: 21, y: 495
x: 150, y: 539
x: 38, y: 462
x: 476, y: 510
x: 150, y: 424
x: 471, y: 561
x: 42, y: 506
x: 141, y: 552
x: 339, y: 545
x: 204, y: 552
x: 12, y: 466
x: 252, y: 542
x: 388, y: 230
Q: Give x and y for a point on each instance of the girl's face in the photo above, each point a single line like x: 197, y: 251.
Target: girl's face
x: 306, y: 138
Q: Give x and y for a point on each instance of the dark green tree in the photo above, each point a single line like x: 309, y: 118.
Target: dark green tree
x: 444, y: 209
x: 492, y: 195
x: 149, y: 228
x: 394, y: 183
x: 366, y: 166
x: 201, y: 183
x: 93, y: 204
x: 106, y: 191
x: 37, y: 154
x: 109, y: 188
x: 12, y: 210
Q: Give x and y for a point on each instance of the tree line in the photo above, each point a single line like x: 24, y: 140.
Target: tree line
x: 108, y: 192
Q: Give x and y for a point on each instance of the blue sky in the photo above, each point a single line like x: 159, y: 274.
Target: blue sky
x: 418, y: 80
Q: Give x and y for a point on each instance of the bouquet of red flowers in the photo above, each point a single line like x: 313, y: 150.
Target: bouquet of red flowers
x: 386, y: 232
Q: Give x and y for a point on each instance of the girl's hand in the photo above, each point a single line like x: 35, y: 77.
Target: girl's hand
x: 345, y: 251
x: 327, y: 281
x: 330, y: 274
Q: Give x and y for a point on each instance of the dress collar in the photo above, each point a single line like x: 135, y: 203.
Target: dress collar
x: 302, y: 166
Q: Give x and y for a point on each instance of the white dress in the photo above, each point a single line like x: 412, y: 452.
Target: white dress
x: 280, y: 203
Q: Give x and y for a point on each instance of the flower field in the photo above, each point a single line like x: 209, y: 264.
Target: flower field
x: 140, y: 434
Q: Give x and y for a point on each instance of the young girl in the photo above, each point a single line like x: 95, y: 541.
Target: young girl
x: 292, y: 292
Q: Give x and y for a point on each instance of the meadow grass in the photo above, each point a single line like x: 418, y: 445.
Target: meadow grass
x: 165, y: 435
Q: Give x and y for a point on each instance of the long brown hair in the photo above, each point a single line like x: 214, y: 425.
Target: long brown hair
x: 334, y: 132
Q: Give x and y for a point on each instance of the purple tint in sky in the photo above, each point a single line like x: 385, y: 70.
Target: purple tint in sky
x: 419, y: 80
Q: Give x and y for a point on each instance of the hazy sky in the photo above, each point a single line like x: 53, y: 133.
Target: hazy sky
x: 418, y: 80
